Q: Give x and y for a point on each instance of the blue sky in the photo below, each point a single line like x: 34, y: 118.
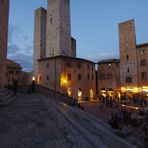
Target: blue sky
x: 94, y: 24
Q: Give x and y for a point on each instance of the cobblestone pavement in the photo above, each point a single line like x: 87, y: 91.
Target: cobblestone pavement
x: 34, y: 121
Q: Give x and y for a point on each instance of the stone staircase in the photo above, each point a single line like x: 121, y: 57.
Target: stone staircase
x: 7, y: 96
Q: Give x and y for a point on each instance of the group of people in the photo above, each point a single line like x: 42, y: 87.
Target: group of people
x: 13, y: 85
x: 123, y: 121
x: 108, y: 101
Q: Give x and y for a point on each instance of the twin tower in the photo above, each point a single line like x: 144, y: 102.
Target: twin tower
x: 52, y: 32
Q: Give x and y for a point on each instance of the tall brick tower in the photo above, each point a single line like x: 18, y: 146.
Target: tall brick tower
x: 58, y: 37
x: 128, y: 54
x: 39, y: 37
x: 4, y: 16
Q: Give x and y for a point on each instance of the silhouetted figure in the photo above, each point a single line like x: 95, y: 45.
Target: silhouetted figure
x: 15, y: 86
x: 33, y: 86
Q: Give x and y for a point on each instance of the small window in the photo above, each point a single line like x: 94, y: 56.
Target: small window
x: 128, y: 70
x: 47, y: 65
x: 107, y: 76
x: 103, y: 76
x: 68, y: 64
x: 79, y: 76
x: 127, y: 57
x: 79, y: 65
x: 69, y: 76
x: 88, y: 76
x: 87, y: 66
x: 143, y: 62
x: 110, y: 76
x: 143, y: 76
x: 51, y: 20
x: 47, y: 77
x: 92, y: 76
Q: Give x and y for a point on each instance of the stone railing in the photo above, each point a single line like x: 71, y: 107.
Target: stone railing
x: 49, y: 93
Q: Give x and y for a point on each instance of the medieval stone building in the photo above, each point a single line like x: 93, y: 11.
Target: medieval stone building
x: 55, y: 63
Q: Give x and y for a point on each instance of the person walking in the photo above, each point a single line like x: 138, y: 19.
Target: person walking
x: 15, y: 86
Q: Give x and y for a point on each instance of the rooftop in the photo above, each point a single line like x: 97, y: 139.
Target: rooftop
x: 109, y: 61
x: 66, y: 57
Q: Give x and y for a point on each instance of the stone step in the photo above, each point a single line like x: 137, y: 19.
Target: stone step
x: 91, y: 129
x: 9, y: 99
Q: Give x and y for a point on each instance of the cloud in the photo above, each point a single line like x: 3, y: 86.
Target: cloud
x: 20, y: 47
x: 102, y: 55
x: 24, y: 60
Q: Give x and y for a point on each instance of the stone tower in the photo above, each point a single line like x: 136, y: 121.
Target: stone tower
x: 4, y: 17
x: 39, y: 37
x: 58, y: 37
x: 128, y: 54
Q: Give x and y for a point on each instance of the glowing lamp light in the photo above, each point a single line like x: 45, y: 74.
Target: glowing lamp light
x: 65, y: 81
x: 33, y: 78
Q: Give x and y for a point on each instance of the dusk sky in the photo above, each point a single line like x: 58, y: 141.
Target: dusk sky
x: 94, y: 24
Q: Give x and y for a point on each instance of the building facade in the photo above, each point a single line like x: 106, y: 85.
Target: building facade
x: 109, y: 78
x: 14, y: 72
x: 72, y: 76
x: 4, y: 16
x: 133, y: 60
x: 61, y: 70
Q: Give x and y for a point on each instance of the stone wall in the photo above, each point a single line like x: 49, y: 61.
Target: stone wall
x: 4, y: 15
